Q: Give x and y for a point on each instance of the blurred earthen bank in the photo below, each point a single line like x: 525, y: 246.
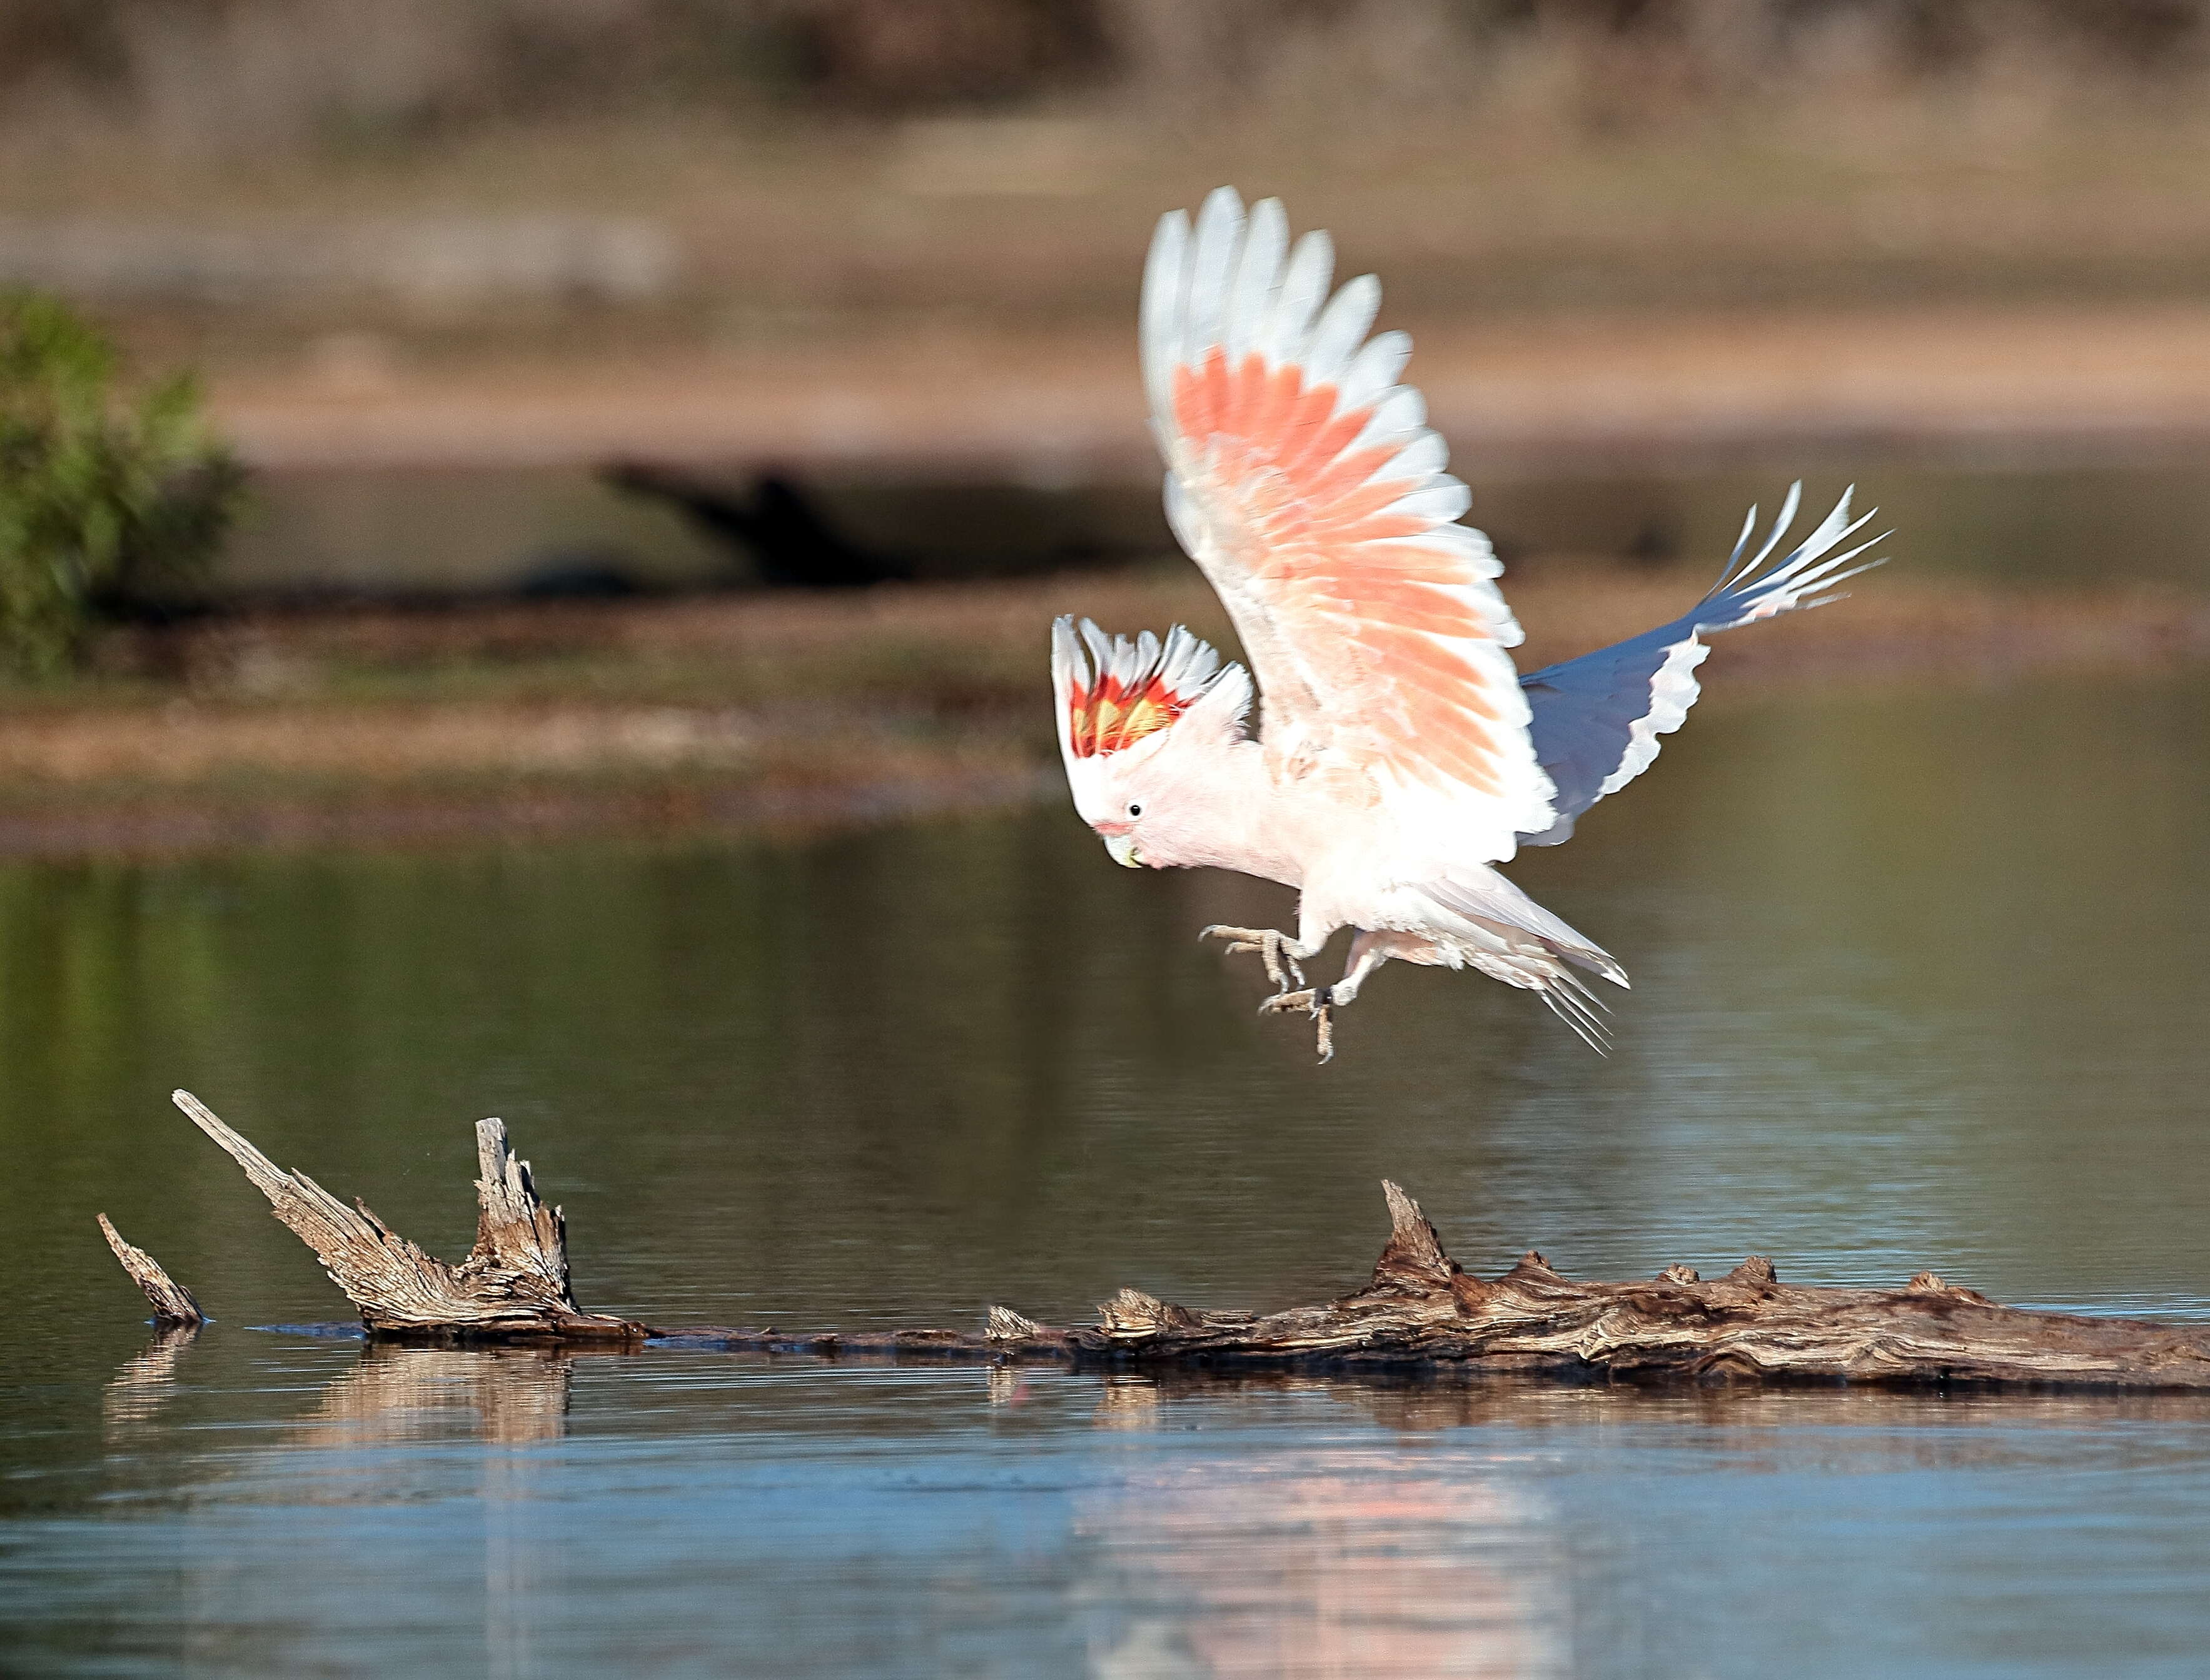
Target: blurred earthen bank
x: 442, y: 263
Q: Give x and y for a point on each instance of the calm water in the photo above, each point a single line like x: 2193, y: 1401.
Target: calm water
x: 1922, y: 975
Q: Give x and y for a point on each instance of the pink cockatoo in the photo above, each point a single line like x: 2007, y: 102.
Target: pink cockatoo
x: 1402, y: 755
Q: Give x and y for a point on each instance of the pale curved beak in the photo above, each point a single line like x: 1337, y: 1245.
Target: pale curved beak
x: 1122, y: 847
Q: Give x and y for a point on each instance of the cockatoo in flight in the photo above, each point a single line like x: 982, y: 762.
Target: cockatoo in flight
x: 1402, y: 755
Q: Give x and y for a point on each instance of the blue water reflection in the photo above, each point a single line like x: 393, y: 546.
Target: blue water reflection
x: 1920, y: 981
x: 520, y: 1513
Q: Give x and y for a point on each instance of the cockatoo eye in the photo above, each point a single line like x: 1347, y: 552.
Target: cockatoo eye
x: 1135, y: 811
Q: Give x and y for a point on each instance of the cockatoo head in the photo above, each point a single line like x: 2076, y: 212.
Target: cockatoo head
x: 1141, y: 726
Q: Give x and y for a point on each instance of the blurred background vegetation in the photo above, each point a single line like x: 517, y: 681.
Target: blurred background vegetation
x: 108, y: 509
x: 465, y: 173
x: 510, y: 303
x: 277, y: 77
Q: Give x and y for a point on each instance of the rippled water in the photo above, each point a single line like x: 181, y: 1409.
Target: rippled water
x: 1922, y: 975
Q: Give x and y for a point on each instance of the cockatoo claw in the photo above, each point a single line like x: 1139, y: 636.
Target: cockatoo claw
x: 1271, y: 945
x: 1318, y: 1003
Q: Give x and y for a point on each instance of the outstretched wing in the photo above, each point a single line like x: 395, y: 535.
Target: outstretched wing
x: 1596, y: 718
x: 1304, y: 481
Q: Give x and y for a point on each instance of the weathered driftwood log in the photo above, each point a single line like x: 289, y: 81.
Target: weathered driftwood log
x: 172, y: 1303
x: 513, y: 1286
x: 1420, y: 1311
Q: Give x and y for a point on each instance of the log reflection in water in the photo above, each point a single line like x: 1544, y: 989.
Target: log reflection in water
x: 1942, y: 1427
x: 1128, y: 1401
x: 396, y: 1393
x: 145, y: 1382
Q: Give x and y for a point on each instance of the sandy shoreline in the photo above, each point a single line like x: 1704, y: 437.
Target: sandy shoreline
x: 747, y: 711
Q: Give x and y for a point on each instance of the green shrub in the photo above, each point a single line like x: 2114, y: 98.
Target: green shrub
x: 105, y: 506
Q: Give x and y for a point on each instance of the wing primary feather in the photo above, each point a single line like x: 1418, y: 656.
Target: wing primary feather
x: 1791, y: 571
x: 1258, y: 278
x: 1826, y: 572
x: 1783, y: 589
x: 1826, y: 577
x: 1212, y: 263
x: 1342, y: 324
x: 1425, y: 455
x: 1304, y: 289
x: 1855, y: 571
x: 1373, y: 369
x: 1734, y: 575
x: 1749, y: 525
x: 1787, y: 517
x: 1789, y: 504
x: 1819, y: 541
x: 1440, y: 501
x: 1165, y: 300
x: 1829, y: 583
x: 1836, y: 527
x: 1399, y: 416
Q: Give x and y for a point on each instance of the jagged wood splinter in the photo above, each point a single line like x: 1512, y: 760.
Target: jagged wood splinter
x: 172, y: 1303
x: 512, y: 1286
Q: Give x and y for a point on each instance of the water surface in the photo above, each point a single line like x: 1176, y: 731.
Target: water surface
x: 1920, y: 980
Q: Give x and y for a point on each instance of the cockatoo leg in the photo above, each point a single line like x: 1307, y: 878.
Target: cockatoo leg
x: 1277, y: 949
x: 1368, y: 951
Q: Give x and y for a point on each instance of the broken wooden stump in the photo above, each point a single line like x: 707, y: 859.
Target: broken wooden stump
x: 513, y: 1286
x: 1419, y: 1312
x: 172, y: 1303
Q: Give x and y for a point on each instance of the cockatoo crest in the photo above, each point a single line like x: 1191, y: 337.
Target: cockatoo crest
x: 1122, y: 703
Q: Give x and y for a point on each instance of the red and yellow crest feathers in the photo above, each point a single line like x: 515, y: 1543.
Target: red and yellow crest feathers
x: 1107, y: 718
x: 1124, y: 691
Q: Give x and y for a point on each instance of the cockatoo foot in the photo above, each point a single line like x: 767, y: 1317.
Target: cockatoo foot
x: 1272, y: 946
x: 1318, y: 1003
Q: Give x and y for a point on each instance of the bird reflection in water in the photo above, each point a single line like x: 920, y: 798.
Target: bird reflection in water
x: 1324, y: 1562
